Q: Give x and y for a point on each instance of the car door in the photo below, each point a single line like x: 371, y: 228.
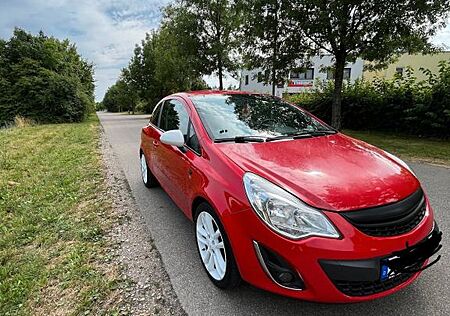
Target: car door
x: 150, y: 140
x: 175, y: 163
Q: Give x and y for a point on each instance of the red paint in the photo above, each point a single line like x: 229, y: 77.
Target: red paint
x: 332, y: 172
x: 300, y: 83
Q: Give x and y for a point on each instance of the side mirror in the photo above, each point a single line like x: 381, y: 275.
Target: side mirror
x: 174, y: 138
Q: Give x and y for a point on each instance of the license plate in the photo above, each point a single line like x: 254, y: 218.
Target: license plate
x: 385, y: 272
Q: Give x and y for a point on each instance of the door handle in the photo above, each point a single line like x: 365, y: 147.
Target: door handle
x: 155, y: 143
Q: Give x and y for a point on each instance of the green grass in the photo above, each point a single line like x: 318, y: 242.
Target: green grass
x: 408, y: 147
x: 54, y: 212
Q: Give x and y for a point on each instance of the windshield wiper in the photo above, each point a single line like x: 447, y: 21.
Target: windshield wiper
x: 304, y: 134
x: 241, y: 139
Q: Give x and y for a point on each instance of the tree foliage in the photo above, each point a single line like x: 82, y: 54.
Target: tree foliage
x: 402, y: 105
x: 44, y: 79
x: 270, y: 39
x: 214, y: 28
x: 119, y: 98
x: 161, y: 65
x: 374, y: 30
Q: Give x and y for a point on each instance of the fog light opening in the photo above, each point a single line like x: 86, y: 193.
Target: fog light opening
x: 278, y: 270
x: 285, y: 277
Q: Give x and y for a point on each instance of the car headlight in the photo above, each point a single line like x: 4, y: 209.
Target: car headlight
x: 400, y: 162
x: 285, y: 213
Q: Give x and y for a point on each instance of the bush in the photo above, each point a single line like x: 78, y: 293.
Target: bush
x: 400, y: 105
x: 44, y: 79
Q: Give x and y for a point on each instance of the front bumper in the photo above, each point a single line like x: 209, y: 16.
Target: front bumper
x: 307, y: 258
x: 377, y: 275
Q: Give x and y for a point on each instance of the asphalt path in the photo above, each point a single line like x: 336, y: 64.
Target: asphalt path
x: 174, y: 237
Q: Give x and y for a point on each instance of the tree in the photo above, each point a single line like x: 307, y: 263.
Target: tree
x: 165, y: 62
x: 214, y: 27
x: 178, y: 66
x: 270, y: 39
x: 44, y: 79
x: 118, y: 98
x: 140, y: 75
x: 377, y: 31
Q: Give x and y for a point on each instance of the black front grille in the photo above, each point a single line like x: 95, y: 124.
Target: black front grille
x: 390, y: 220
x: 357, y: 288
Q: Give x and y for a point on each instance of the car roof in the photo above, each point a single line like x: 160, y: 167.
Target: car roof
x: 220, y: 92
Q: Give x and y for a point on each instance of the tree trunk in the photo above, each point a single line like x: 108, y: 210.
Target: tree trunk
x: 275, y: 50
x: 274, y: 77
x: 220, y: 71
x: 336, y: 120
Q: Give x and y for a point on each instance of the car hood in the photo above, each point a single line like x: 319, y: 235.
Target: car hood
x: 333, y: 172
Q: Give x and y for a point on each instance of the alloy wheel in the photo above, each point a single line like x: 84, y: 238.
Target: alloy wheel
x: 211, y: 246
x: 144, y: 172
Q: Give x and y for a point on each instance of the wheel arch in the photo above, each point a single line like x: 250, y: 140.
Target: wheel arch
x: 196, y: 202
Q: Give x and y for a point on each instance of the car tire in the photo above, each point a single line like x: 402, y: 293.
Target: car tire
x: 218, y: 261
x: 147, y: 176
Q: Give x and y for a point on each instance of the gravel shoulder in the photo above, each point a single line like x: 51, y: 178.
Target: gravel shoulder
x: 147, y: 288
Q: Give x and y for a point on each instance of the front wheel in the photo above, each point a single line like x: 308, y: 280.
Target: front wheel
x: 215, y: 249
x: 147, y: 176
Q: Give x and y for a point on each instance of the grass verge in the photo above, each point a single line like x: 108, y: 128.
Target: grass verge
x: 55, y: 212
x: 408, y: 147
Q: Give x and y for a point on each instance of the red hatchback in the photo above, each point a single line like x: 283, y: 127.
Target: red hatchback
x: 284, y: 201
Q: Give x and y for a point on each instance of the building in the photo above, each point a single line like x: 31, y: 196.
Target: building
x: 251, y: 80
x: 416, y: 62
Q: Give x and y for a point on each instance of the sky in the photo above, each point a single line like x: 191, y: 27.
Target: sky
x: 105, y: 32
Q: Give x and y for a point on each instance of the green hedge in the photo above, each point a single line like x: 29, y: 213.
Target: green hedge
x: 402, y: 105
x: 44, y: 79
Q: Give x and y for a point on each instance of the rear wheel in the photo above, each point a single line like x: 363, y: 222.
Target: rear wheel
x: 147, y: 176
x: 214, y: 248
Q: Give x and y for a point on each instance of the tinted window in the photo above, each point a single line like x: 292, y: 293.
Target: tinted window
x: 155, y: 115
x: 308, y: 74
x: 234, y: 115
x: 347, y: 73
x: 192, y: 139
x: 174, y: 116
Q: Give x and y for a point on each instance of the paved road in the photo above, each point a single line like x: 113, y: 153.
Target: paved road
x: 174, y: 238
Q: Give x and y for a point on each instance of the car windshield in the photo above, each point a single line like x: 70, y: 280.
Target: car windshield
x: 236, y: 115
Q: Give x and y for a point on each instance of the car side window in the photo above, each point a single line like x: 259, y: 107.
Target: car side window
x: 174, y: 116
x: 155, y: 115
x: 192, y: 139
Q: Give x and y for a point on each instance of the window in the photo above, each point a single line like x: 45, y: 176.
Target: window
x: 192, y: 139
x: 260, y: 77
x: 330, y: 74
x: 308, y: 74
x: 228, y: 116
x: 246, y: 80
x: 294, y: 75
x: 174, y: 116
x: 399, y: 71
x: 347, y: 74
x: 155, y: 115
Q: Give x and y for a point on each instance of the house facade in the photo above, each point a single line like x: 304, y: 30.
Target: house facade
x: 416, y: 62
x: 251, y: 80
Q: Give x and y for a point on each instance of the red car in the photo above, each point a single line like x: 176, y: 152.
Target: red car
x: 286, y: 203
